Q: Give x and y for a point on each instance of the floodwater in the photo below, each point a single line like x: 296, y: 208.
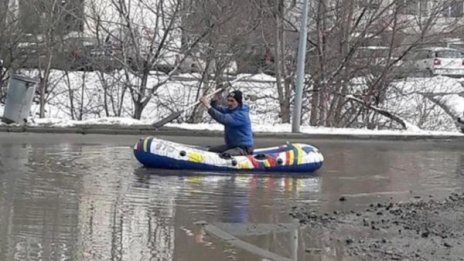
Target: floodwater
x: 76, y: 197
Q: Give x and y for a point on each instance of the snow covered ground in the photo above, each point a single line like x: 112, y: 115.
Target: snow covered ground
x: 431, y: 103
x: 411, y: 99
x: 268, y: 128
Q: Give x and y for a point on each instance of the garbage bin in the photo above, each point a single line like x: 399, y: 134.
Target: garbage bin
x: 19, y: 96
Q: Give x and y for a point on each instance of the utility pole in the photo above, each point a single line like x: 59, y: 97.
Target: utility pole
x: 300, y: 68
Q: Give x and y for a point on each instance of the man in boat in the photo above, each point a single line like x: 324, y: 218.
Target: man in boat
x: 235, y: 117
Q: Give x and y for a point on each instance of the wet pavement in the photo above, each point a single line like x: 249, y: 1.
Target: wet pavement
x: 424, y: 229
x: 85, y: 197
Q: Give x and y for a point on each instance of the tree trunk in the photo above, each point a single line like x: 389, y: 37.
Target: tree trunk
x: 277, y: 58
x: 105, y: 94
x: 121, y: 101
x: 341, y: 82
x: 197, y: 114
x: 3, y: 15
x: 81, y: 108
x: 43, y: 85
x: 317, y: 105
x: 288, y: 81
x: 70, y: 96
x: 138, y: 109
x: 141, y: 102
x: 279, y: 63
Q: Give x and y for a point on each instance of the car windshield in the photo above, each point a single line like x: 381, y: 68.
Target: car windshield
x: 448, y: 54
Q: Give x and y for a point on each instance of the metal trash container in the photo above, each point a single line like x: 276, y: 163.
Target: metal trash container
x: 19, y: 96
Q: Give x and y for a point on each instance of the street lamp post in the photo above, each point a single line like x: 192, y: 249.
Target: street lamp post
x: 300, y: 68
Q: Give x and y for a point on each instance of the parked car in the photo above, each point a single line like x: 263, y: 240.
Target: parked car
x: 195, y: 64
x: 436, y: 61
x: 30, y: 52
x: 371, y: 60
x: 2, y: 83
x: 461, y: 122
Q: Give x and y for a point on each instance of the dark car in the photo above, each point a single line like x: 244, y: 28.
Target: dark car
x: 461, y: 122
x: 1, y: 69
x: 2, y: 87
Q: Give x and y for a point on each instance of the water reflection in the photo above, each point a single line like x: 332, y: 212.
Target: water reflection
x: 364, y: 172
x: 460, y: 165
x: 39, y: 211
x: 122, y: 218
x: 234, y: 198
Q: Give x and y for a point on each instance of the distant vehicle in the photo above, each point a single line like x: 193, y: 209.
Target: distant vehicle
x: 436, y: 61
x: 30, y: 51
x: 1, y: 72
x: 87, y: 54
x: 2, y: 91
x: 461, y: 122
x: 194, y: 64
x: 371, y: 60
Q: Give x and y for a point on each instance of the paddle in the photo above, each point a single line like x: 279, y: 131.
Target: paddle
x: 175, y: 115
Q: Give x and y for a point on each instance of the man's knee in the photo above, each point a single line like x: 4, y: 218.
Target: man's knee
x: 218, y: 149
x: 237, y: 151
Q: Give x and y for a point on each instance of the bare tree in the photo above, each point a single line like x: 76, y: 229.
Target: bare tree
x: 9, y: 37
x: 344, y: 29
x: 283, y: 57
x: 47, y: 21
x: 214, y: 56
x: 146, y: 36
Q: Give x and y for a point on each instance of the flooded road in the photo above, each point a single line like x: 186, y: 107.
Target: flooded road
x: 85, y: 197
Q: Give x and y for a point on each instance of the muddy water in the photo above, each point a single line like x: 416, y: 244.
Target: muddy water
x: 65, y: 197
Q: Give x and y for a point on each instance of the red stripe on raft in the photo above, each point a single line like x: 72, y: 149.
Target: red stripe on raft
x: 272, y: 161
x: 253, y: 161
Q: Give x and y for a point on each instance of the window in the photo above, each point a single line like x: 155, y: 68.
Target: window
x: 408, y: 7
x: 69, y: 16
x: 421, y: 55
x: 414, y: 7
x: 369, y: 4
x: 73, y: 15
x: 427, y: 54
x: 448, y: 54
x: 29, y: 17
x: 423, y: 8
x: 453, y: 9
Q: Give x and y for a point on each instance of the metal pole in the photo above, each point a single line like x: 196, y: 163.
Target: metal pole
x: 300, y: 67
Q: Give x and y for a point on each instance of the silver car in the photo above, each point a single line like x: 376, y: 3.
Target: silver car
x: 436, y: 61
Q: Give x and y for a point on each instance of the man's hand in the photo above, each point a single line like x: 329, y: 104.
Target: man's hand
x: 205, y: 102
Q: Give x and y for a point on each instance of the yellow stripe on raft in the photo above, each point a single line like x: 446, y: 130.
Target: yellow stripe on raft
x: 245, y: 165
x: 145, y: 145
x: 195, y: 157
x: 267, y: 164
x: 300, y: 153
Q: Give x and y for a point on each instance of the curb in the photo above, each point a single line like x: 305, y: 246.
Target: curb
x: 171, y: 131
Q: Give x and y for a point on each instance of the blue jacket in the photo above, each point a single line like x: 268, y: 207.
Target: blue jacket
x: 237, y: 125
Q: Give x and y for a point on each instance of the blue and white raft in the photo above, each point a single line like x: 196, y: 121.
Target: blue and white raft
x: 291, y: 157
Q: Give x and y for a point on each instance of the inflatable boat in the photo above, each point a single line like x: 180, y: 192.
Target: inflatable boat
x: 291, y: 157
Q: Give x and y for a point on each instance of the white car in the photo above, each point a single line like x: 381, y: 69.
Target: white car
x: 437, y: 61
